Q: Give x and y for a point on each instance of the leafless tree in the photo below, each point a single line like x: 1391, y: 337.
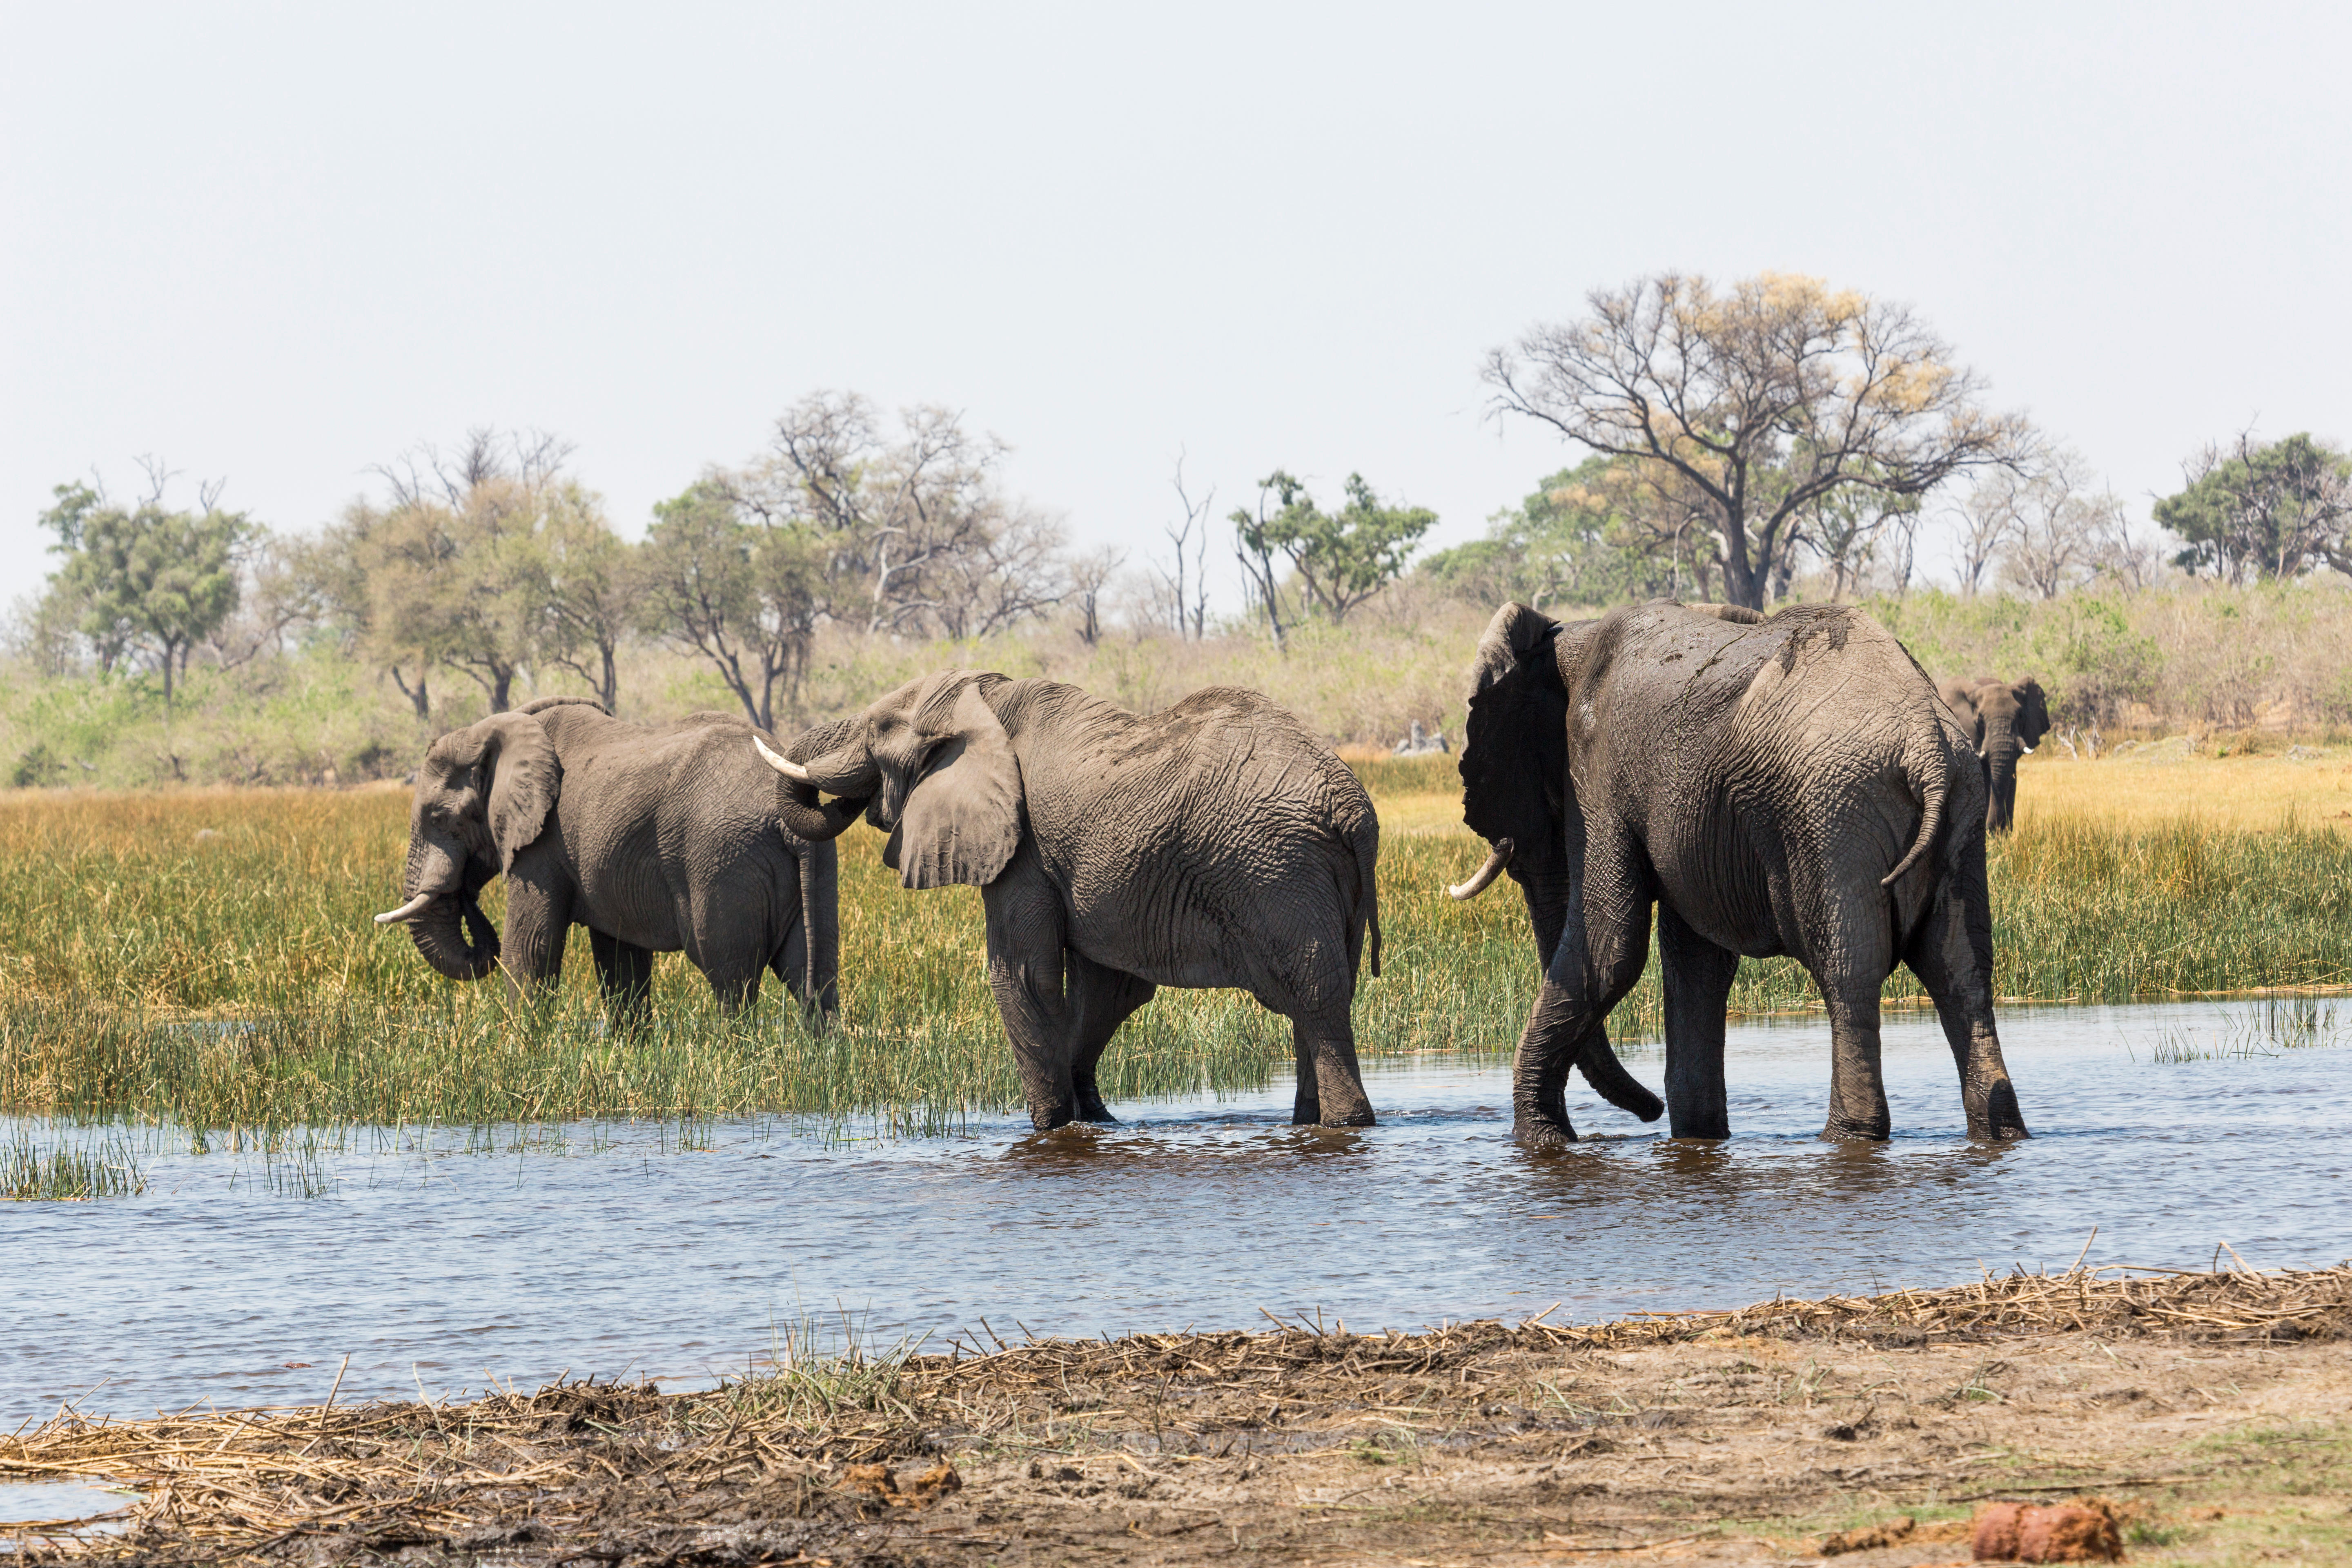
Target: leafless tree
x: 1750, y: 405
x: 1090, y: 577
x: 1191, y: 610
x: 2057, y: 521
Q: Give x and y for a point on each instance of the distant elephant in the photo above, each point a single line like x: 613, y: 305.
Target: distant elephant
x: 1789, y: 785
x: 657, y: 840
x: 1217, y: 843
x: 2003, y: 721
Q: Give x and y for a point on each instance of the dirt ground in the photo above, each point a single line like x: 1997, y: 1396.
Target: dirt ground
x: 2211, y: 1409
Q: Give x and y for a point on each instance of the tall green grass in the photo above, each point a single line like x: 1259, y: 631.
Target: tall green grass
x: 206, y: 961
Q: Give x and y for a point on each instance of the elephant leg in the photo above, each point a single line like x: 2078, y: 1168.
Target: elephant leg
x: 1951, y: 953
x: 1025, y: 972
x: 1330, y: 1083
x: 1699, y: 977
x: 625, y: 973
x: 1100, y: 1000
x: 538, y: 922
x: 1603, y: 944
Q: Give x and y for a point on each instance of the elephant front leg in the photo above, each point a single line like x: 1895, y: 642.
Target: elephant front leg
x: 1697, y: 982
x: 625, y: 973
x: 539, y: 920
x: 1604, y: 944
x: 1025, y: 971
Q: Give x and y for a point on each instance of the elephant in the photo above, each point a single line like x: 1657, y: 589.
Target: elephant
x: 2005, y: 722
x: 1783, y: 786
x: 1217, y: 843
x: 657, y: 840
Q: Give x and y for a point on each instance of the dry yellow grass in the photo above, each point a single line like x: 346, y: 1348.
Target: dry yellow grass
x: 2234, y: 793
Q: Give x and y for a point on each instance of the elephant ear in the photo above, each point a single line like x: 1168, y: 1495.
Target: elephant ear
x: 1515, y: 748
x: 525, y: 779
x: 2032, y: 712
x: 962, y: 820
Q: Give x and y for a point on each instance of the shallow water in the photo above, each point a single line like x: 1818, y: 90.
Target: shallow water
x: 440, y: 1270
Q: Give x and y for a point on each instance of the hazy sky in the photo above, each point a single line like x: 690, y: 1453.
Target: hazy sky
x: 279, y: 243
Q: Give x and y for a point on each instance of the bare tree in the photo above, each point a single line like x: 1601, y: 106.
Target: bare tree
x: 1750, y: 406
x: 1192, y: 613
x: 2058, y: 521
x: 1091, y: 576
x: 1986, y: 518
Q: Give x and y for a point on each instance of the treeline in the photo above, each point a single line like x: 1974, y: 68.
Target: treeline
x: 1775, y: 441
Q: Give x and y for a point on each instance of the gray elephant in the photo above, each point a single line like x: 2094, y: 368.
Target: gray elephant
x: 1214, y: 844
x: 657, y: 840
x: 2004, y: 721
x: 1789, y: 785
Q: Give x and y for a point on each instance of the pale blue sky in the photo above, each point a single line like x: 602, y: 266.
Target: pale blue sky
x: 276, y: 244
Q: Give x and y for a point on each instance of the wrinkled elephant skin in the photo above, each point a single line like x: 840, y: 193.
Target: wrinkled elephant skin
x: 1214, y: 844
x: 657, y: 840
x: 1783, y: 786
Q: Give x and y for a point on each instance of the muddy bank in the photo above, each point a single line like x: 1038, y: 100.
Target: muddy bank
x: 2210, y: 1408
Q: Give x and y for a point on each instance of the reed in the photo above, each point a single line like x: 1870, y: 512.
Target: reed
x: 204, y: 961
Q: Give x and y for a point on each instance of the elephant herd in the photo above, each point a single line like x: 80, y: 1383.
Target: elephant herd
x: 1783, y: 786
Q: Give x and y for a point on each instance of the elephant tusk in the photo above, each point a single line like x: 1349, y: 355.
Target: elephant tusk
x: 407, y: 911
x: 783, y: 764
x: 1484, y: 877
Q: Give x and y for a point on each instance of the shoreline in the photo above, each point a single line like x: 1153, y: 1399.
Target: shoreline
x: 2210, y: 1407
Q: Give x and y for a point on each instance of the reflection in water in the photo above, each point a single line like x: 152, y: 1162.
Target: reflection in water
x: 633, y: 1253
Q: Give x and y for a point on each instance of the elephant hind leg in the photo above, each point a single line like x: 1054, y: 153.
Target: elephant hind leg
x: 1330, y: 1084
x: 1099, y: 1000
x: 1697, y: 976
x: 1951, y: 953
x: 624, y: 971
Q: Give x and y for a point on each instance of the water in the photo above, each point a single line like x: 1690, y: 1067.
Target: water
x: 620, y: 1252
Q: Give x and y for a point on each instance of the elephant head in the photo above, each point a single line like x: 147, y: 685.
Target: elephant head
x: 2011, y: 720
x: 938, y: 769
x: 483, y: 793
x: 1516, y: 794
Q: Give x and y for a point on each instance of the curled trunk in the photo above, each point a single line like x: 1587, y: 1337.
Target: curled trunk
x: 810, y: 817
x: 452, y: 932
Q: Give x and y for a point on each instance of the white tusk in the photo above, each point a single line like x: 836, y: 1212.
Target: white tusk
x: 784, y: 765
x: 1484, y: 877
x: 407, y: 911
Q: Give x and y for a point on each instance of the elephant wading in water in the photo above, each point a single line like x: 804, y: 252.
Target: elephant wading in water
x: 657, y: 840
x: 1789, y: 785
x: 2004, y: 721
x: 1217, y: 843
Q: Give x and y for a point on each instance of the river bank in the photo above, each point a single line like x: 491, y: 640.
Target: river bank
x: 2210, y: 1408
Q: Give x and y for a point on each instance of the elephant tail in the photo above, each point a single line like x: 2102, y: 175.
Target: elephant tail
x: 1367, y: 899
x: 1922, y: 764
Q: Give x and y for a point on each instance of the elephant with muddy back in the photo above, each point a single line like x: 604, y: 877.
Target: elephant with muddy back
x: 657, y: 840
x: 1217, y: 843
x: 2004, y: 720
x: 1789, y: 785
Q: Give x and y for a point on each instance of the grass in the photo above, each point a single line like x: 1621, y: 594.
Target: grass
x: 67, y: 1172
x: 204, y: 960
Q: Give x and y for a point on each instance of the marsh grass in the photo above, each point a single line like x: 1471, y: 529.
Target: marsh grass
x: 2278, y: 1026
x: 68, y: 1171
x: 205, y: 960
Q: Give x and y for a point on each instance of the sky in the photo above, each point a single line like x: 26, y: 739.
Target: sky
x: 277, y: 245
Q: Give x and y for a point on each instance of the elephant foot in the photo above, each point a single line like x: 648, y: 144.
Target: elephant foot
x: 1097, y: 1111
x: 1997, y: 1121
x: 1531, y: 1132
x: 1045, y: 1119
x: 1837, y: 1132
x: 1363, y: 1116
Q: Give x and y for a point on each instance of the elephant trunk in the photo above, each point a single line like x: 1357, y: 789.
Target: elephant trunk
x: 2002, y: 751
x: 1548, y: 895
x: 449, y: 928
x: 821, y: 917
x: 831, y: 757
x: 809, y: 817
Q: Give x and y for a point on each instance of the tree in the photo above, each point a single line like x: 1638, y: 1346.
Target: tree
x: 1341, y: 558
x: 1746, y: 408
x: 2061, y: 528
x: 1576, y: 539
x: 1844, y: 527
x: 1188, y: 585
x: 1091, y: 576
x: 147, y: 580
x: 743, y: 594
x: 587, y: 581
x: 2253, y: 512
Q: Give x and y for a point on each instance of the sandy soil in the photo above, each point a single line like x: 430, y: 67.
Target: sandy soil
x: 2213, y: 1409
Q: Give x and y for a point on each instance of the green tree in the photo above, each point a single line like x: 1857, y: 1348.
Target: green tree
x: 147, y: 580
x: 2255, y: 511
x: 1338, y: 558
x: 743, y: 590
x: 1584, y: 536
x: 1743, y: 409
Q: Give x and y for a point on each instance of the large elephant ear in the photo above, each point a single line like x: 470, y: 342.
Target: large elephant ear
x: 962, y: 820
x: 1515, y: 747
x: 525, y: 779
x: 2032, y: 712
